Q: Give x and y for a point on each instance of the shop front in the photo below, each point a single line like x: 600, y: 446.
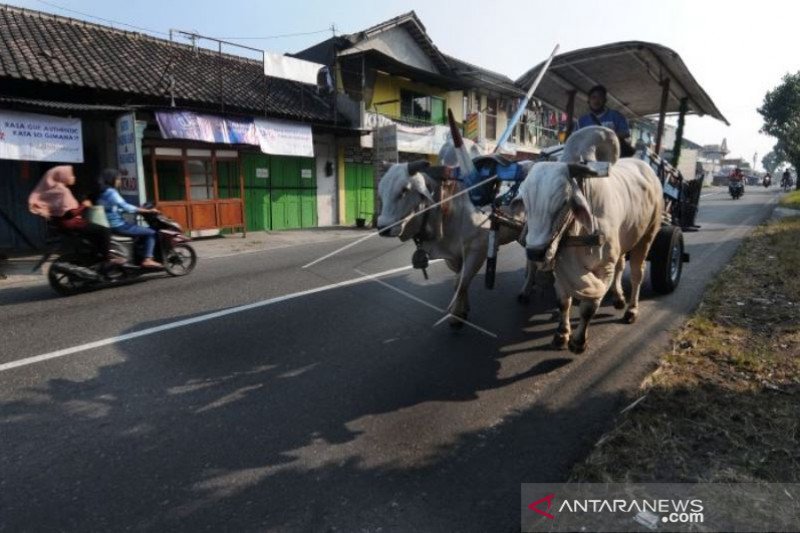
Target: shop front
x: 241, y: 174
x: 199, y: 187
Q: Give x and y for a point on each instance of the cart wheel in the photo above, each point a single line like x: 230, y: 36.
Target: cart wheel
x: 491, y: 269
x: 666, y: 260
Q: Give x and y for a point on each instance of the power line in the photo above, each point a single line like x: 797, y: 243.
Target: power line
x: 107, y: 21
x: 280, y: 36
x: 140, y: 28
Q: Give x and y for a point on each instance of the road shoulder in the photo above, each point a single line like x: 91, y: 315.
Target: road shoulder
x: 724, y: 402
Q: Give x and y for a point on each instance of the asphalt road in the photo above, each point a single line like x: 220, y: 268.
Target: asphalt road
x: 344, y: 409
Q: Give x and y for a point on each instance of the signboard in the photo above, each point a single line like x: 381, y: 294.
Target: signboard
x: 32, y: 137
x: 290, y: 68
x: 206, y: 128
x: 385, y: 147
x: 471, y: 127
x: 129, y: 158
x: 278, y: 137
x: 306, y: 173
x: 262, y: 173
x: 417, y: 140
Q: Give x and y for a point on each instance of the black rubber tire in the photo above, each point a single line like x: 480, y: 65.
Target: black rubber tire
x: 666, y: 260
x: 63, y: 283
x: 175, y: 260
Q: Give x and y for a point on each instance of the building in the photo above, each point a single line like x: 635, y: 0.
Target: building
x: 185, y: 123
x: 392, y: 74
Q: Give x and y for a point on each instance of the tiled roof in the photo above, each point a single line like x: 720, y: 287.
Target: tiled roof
x: 47, y: 48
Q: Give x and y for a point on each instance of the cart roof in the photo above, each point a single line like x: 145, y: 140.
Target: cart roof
x: 632, y: 72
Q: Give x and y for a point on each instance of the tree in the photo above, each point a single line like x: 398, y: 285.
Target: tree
x: 781, y: 113
x: 771, y: 162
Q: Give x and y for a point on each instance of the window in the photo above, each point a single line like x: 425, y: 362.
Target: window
x: 417, y: 107
x: 171, y: 183
x: 201, y: 179
x: 491, y: 118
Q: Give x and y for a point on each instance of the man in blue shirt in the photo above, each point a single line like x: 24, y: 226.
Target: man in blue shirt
x: 600, y: 115
x: 110, y: 198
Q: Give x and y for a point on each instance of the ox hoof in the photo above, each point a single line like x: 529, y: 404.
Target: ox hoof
x: 630, y: 317
x: 524, y: 299
x: 456, y: 323
x: 576, y: 348
x: 620, y: 304
x: 560, y: 341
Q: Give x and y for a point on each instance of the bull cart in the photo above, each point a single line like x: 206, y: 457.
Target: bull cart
x: 643, y: 81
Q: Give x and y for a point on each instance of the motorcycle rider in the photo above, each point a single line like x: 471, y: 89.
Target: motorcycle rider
x: 110, y: 198
x: 786, y: 179
x: 53, y: 200
x: 736, y: 179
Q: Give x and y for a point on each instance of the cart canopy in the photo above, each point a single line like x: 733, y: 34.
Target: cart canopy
x: 634, y: 72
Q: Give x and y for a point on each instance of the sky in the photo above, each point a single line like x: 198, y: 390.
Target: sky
x: 736, y: 53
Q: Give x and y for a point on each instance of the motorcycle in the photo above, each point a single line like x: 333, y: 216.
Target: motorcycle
x: 736, y: 189
x: 767, y: 182
x: 80, y: 267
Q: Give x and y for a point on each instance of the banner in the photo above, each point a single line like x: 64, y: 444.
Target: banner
x: 129, y: 158
x: 277, y: 137
x: 206, y: 128
x: 416, y: 140
x: 32, y: 137
x: 290, y: 68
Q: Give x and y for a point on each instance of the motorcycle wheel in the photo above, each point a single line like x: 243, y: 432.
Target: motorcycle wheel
x: 62, y: 282
x: 180, y: 260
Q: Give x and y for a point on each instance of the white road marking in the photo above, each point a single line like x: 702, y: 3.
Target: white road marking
x: 191, y: 321
x: 431, y: 306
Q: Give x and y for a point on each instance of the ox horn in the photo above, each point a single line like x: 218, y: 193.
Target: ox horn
x: 465, y: 163
x: 578, y: 170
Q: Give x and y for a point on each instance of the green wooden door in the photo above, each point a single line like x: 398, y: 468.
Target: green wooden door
x: 294, y: 193
x: 257, y: 204
x: 359, y: 191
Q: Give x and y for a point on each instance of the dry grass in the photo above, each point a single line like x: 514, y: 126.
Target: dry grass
x: 791, y: 200
x: 724, y: 404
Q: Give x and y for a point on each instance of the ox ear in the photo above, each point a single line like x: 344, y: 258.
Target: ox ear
x: 581, y: 209
x: 416, y: 167
x: 418, y: 184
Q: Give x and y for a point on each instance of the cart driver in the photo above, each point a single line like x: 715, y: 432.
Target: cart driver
x: 600, y: 115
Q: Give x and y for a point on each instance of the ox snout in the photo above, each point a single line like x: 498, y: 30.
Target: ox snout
x: 536, y: 254
x: 389, y: 231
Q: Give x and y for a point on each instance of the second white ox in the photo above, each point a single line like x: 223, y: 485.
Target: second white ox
x: 625, y: 208
x: 455, y: 231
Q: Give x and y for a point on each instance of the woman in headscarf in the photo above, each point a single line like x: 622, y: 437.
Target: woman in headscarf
x: 53, y: 200
x: 110, y: 198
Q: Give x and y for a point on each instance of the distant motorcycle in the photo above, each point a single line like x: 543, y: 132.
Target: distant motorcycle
x: 767, y: 182
x: 81, y: 267
x: 736, y: 189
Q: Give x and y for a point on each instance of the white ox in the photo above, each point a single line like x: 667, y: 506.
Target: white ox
x: 456, y: 231
x: 625, y: 208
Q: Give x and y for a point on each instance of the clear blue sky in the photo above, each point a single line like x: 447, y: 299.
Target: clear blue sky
x: 736, y: 53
